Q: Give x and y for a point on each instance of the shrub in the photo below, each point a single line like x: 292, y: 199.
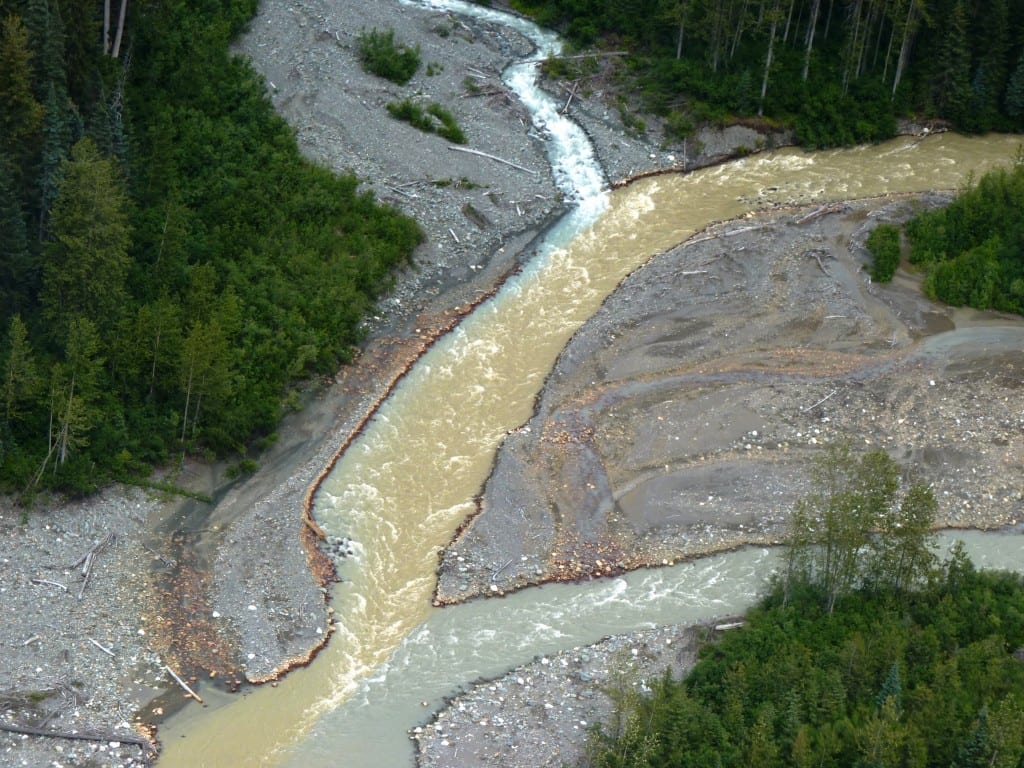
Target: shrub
x: 433, y: 119
x: 383, y: 57
x: 410, y: 112
x: 884, y: 245
x: 679, y: 126
x: 449, y: 128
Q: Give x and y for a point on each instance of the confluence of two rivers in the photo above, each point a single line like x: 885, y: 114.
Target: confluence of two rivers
x: 401, y: 491
x: 404, y: 487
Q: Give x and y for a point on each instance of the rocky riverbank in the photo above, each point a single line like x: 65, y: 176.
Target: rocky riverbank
x: 681, y: 420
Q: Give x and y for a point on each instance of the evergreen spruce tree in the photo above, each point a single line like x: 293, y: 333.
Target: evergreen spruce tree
x: 19, y: 371
x: 16, y: 268
x: 20, y: 113
x: 55, y: 151
x: 952, y: 81
x: 86, y: 264
x: 1014, y: 98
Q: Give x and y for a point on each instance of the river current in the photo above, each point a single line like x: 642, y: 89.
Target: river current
x: 402, y: 489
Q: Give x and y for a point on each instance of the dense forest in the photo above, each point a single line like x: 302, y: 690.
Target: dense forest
x: 837, y: 71
x: 972, y: 251
x: 867, y: 652
x: 169, y: 264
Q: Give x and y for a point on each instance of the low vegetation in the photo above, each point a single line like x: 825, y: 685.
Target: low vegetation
x: 867, y: 652
x: 382, y: 56
x: 433, y: 119
x: 884, y: 245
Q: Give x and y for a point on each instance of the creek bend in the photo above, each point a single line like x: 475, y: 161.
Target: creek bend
x: 403, y: 488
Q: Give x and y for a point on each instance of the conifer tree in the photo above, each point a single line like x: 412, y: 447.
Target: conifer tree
x: 952, y: 81
x: 16, y: 292
x: 74, y: 387
x: 1014, y: 98
x: 87, y: 262
x: 21, y: 114
x: 56, y: 149
x: 19, y: 371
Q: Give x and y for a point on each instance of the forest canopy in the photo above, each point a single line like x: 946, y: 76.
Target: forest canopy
x: 169, y: 263
x: 836, y: 72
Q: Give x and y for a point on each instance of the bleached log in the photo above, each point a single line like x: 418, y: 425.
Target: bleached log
x: 47, y: 581
x: 829, y: 208
x: 601, y: 55
x: 492, y: 157
x: 826, y: 397
x: 86, y: 561
x: 730, y: 625
x: 183, y: 684
x: 107, y: 651
x: 572, y: 93
x: 122, y: 738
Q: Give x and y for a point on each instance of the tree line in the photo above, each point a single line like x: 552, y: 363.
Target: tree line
x: 867, y: 652
x: 169, y: 263
x: 836, y: 72
x: 971, y: 251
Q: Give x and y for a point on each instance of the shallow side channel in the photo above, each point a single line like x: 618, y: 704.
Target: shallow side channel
x: 404, y: 487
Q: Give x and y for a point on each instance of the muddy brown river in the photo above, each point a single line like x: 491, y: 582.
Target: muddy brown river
x: 401, y: 491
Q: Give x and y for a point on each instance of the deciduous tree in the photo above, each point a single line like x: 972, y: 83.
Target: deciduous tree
x: 853, y: 527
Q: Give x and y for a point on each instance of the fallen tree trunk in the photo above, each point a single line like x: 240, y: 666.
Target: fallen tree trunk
x: 493, y: 157
x: 28, y: 730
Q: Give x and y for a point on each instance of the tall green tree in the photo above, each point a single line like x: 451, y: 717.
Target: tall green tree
x: 16, y: 266
x: 952, y: 80
x: 55, y: 151
x: 20, y: 381
x: 87, y: 262
x: 904, y: 547
x: 21, y: 114
x: 1014, y: 98
x: 204, y: 372
x: 854, y: 528
x: 74, y: 390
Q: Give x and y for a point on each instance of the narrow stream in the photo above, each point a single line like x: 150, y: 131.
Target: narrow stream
x: 402, y: 489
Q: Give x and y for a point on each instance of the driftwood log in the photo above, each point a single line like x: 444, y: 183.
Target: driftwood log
x: 493, y: 157
x: 87, y: 560
x: 123, y: 738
